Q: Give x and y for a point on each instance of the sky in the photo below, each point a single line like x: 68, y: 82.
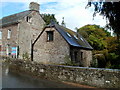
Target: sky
x: 73, y: 11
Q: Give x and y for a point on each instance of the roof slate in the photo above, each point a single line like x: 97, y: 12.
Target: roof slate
x: 8, y: 20
x: 73, y: 38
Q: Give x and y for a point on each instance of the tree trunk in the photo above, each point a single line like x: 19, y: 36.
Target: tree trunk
x: 118, y: 38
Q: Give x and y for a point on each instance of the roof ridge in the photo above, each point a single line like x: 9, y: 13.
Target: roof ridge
x: 66, y: 28
x: 11, y: 19
x: 14, y: 14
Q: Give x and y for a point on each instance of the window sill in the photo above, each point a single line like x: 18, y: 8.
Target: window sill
x: 49, y: 41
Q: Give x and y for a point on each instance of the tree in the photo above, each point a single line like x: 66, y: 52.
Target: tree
x: 111, y: 44
x: 111, y: 11
x: 48, y: 18
x: 105, y: 46
x: 95, y: 35
x: 63, y: 22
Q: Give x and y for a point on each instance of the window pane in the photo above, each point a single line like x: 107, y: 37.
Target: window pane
x: 0, y: 48
x: 0, y: 35
x: 8, y: 49
x: 9, y: 34
x: 81, y: 55
x: 49, y: 35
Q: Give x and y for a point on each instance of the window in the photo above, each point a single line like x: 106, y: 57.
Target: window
x: 81, y: 54
x: 9, y: 34
x: 28, y: 19
x: 68, y: 34
x: 0, y: 48
x: 82, y: 39
x: 0, y: 35
x: 75, y: 56
x: 49, y: 35
x: 75, y: 37
x: 8, y: 49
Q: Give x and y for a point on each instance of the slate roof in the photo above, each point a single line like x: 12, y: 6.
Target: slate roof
x: 8, y: 20
x: 73, y: 38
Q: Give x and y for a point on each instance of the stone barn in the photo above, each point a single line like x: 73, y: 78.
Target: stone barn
x: 57, y: 44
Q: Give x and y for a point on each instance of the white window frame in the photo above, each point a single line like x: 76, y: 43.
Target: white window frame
x: 8, y: 50
x: 28, y: 19
x: 0, y: 34
x: 49, y: 39
x: 9, y: 34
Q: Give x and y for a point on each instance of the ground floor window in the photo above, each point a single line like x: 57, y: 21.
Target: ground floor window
x: 81, y: 55
x: 0, y: 48
x: 14, y: 52
x: 76, y: 56
x: 11, y: 51
x: 8, y: 50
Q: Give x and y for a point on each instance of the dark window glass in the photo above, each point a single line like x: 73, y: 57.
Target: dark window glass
x: 49, y: 35
x: 81, y: 55
x: 75, y: 56
x: 28, y: 19
x: 0, y: 48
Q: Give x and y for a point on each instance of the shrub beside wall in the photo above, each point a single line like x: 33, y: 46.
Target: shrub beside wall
x: 103, y: 78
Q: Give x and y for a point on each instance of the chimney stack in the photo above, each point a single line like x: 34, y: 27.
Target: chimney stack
x: 34, y: 6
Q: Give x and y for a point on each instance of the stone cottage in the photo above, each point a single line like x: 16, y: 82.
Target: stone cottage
x: 24, y: 35
x: 18, y: 32
x: 57, y: 44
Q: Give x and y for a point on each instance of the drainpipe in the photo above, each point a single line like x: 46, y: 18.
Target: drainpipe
x: 32, y: 46
x: 32, y: 51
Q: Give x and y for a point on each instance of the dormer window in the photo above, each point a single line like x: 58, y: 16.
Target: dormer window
x: 49, y: 35
x: 9, y: 34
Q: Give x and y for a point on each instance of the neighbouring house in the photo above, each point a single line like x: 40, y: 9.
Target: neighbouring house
x: 57, y: 44
x: 18, y: 32
x: 24, y: 35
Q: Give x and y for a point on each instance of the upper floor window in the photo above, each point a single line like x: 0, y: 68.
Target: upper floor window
x: 9, y: 34
x: 28, y: 19
x: 0, y: 35
x: 49, y: 35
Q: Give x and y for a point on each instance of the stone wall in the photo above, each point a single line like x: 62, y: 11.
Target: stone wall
x: 12, y: 41
x: 103, y: 78
x: 22, y: 34
x: 51, y: 52
x: 28, y: 32
x: 87, y: 58
x: 83, y: 60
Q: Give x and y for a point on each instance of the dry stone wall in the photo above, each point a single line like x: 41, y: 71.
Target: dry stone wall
x: 103, y: 78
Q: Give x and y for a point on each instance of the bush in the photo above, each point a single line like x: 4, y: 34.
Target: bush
x: 25, y: 56
x: 94, y: 62
x: 113, y: 61
x: 69, y: 62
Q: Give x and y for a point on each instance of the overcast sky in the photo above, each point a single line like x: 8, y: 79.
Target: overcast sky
x: 73, y: 11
